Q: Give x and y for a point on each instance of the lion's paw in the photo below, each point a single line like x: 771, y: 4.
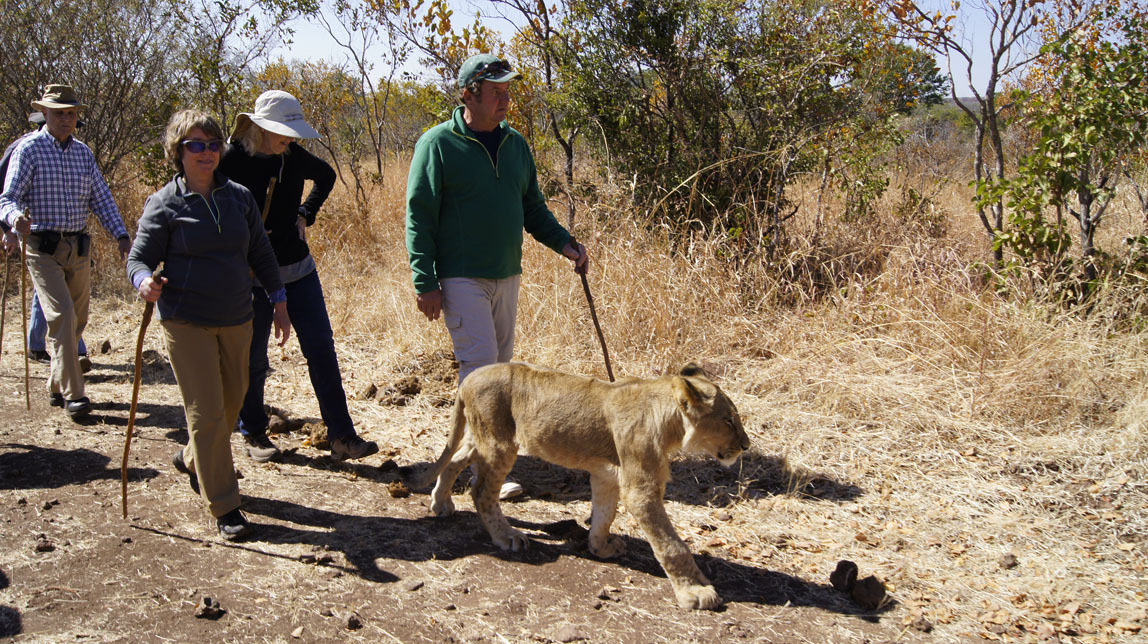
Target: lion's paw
x: 613, y: 546
x: 442, y: 507
x: 512, y: 540
x: 694, y: 597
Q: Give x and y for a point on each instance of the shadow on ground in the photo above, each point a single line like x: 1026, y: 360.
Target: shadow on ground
x: 365, y: 540
x: 35, y: 466
x: 11, y: 623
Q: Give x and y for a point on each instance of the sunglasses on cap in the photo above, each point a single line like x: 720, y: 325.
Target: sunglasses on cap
x: 487, y: 70
x: 195, y: 147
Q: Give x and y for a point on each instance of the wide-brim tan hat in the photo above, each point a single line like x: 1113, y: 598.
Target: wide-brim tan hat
x: 279, y: 112
x: 59, y: 97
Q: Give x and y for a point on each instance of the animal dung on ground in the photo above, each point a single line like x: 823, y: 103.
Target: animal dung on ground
x: 844, y: 578
x: 1008, y: 560
x: 869, y: 593
x: 318, y: 436
x: 44, y: 544
x: 209, y: 609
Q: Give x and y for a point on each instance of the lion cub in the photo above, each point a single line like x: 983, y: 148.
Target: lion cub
x: 621, y: 433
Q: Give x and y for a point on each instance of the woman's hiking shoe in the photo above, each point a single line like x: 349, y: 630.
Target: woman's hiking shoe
x: 180, y: 466
x: 509, y: 490
x: 352, y: 447
x: 260, y: 448
x: 233, y: 525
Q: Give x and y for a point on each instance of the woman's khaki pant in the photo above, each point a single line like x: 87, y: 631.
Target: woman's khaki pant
x: 210, y: 365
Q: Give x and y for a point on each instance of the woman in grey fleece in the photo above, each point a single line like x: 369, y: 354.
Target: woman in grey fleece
x: 207, y: 232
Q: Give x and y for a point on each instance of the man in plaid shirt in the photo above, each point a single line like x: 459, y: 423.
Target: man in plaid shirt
x: 51, y: 186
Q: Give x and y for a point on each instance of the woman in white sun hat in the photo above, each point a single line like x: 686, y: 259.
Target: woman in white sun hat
x: 264, y: 157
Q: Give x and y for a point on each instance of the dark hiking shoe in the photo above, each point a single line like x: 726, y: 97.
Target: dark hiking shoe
x: 78, y: 408
x: 55, y: 399
x: 352, y: 448
x: 85, y: 363
x: 260, y: 448
x: 43, y: 357
x: 233, y: 525
x: 180, y: 466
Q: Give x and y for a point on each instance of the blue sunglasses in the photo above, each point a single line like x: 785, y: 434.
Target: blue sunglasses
x: 195, y: 147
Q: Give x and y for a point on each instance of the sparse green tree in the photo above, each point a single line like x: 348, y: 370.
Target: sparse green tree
x: 1090, y: 122
x: 121, y: 63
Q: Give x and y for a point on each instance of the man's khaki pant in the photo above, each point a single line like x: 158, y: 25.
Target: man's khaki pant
x: 480, y: 315
x: 62, y: 283
x: 210, y: 365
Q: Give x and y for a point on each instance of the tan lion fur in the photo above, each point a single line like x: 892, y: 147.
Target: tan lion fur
x: 622, y: 433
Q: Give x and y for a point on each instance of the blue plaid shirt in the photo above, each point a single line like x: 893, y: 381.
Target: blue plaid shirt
x: 56, y: 186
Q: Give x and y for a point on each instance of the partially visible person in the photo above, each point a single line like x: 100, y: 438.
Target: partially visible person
x: 263, y: 148
x: 207, y: 233
x: 37, y: 325
x: 38, y: 334
x: 51, y: 186
x: 11, y: 239
x: 471, y: 191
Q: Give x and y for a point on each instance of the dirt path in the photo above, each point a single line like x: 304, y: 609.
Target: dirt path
x: 342, y: 553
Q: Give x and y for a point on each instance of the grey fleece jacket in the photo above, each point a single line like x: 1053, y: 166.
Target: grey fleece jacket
x: 209, y: 245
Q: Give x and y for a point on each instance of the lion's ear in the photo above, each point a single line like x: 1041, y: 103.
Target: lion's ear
x: 693, y: 369
x: 692, y: 394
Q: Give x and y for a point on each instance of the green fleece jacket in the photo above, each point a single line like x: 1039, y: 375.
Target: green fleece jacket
x: 466, y: 211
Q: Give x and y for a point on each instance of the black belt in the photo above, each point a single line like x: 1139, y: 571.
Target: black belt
x: 74, y: 233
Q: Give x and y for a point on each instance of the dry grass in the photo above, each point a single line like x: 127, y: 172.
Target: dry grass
x: 907, y: 419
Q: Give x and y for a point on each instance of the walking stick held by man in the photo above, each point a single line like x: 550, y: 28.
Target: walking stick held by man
x: 593, y: 313
x: 157, y: 276
x: 4, y: 299
x: 24, y: 314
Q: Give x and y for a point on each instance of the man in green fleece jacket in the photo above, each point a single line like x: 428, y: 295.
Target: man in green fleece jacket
x: 471, y: 191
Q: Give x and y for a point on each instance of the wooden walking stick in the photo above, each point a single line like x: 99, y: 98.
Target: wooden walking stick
x: 148, y: 308
x: 267, y: 201
x: 4, y: 300
x: 24, y: 314
x: 593, y: 314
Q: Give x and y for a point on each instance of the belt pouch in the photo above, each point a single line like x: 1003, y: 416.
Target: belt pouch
x: 49, y: 240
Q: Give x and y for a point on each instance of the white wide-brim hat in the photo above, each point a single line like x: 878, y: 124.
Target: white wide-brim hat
x: 279, y: 112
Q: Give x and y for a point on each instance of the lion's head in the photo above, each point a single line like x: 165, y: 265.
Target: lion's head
x: 713, y: 425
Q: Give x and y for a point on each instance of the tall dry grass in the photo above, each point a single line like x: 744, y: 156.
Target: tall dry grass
x: 906, y: 418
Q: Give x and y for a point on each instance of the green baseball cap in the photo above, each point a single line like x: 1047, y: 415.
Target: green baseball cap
x: 486, y: 67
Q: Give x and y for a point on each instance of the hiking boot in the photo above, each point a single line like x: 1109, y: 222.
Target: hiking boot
x: 509, y: 490
x: 78, y: 408
x: 85, y: 363
x: 352, y: 448
x: 55, y: 399
x: 43, y: 357
x: 260, y: 448
x: 180, y: 466
x: 233, y: 525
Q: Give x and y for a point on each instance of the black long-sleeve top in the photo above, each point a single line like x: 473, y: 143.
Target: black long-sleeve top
x: 291, y: 170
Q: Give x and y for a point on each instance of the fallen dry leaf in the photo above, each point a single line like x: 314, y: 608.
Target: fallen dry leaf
x: 1129, y: 627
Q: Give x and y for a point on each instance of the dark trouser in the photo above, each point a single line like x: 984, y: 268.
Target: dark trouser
x: 312, y: 327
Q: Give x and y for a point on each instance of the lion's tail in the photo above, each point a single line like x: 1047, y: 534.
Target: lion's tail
x: 458, y: 428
